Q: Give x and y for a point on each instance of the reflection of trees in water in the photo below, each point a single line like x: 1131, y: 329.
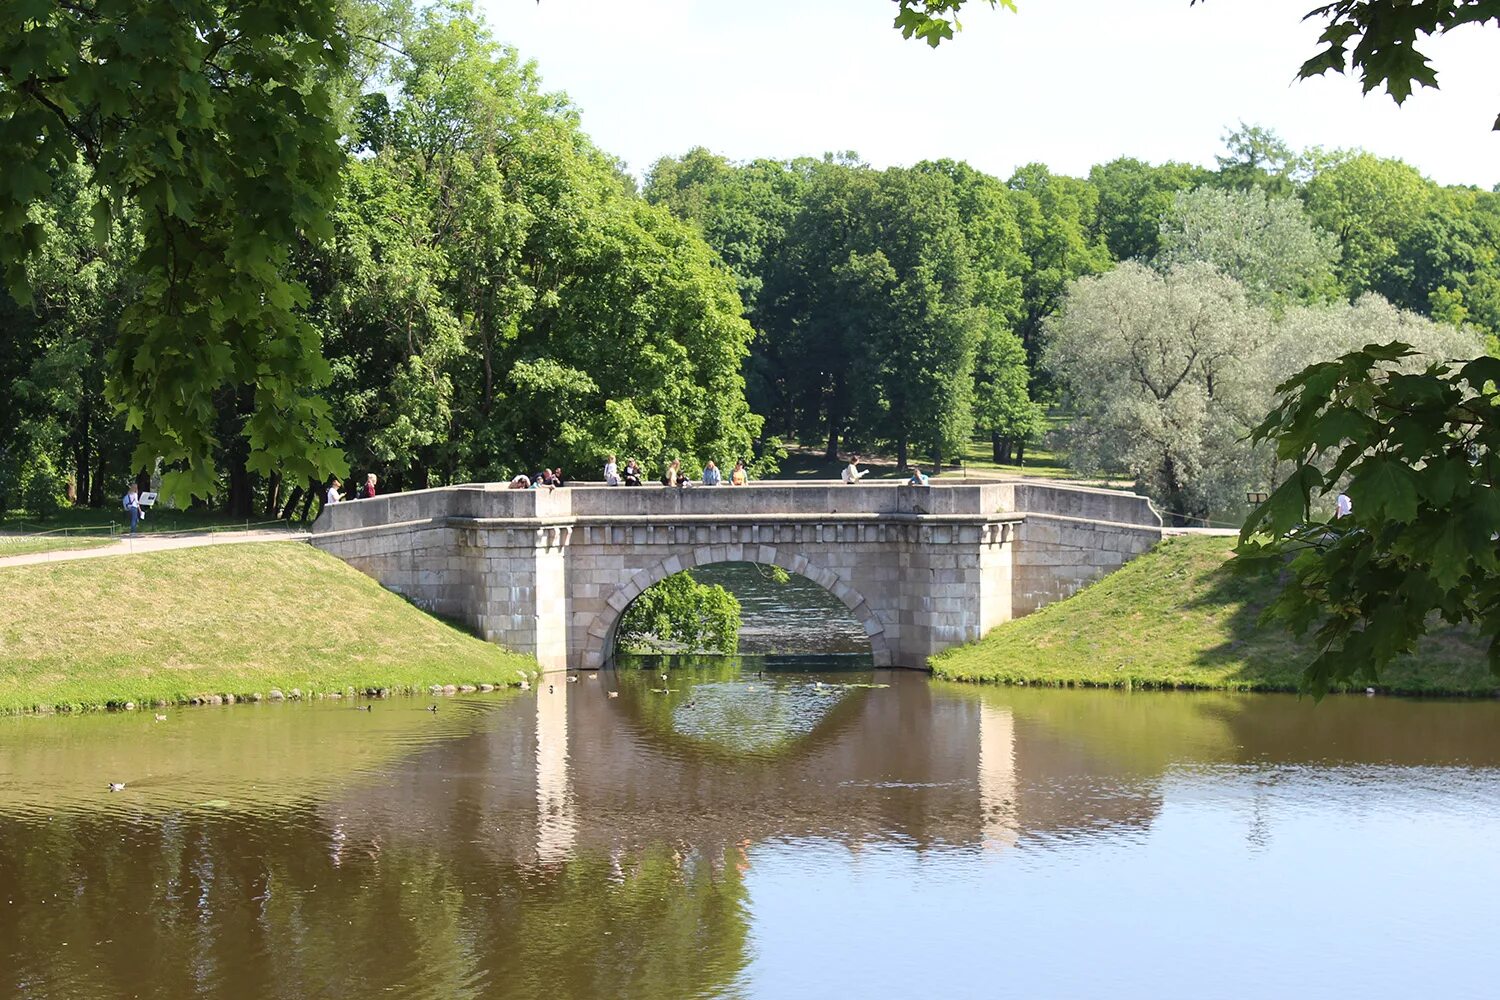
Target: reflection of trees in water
x: 259, y: 908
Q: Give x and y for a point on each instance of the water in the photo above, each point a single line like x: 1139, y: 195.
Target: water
x: 852, y: 833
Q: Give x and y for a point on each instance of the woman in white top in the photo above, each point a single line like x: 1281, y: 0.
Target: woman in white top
x: 333, y: 496
x: 852, y: 472
x: 611, y: 473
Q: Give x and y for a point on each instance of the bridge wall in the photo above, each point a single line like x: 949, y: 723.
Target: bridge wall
x: 921, y: 568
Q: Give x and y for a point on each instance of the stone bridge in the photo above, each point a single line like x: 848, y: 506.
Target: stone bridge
x: 921, y: 567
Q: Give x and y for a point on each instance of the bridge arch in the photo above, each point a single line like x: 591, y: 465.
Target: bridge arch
x: 601, y: 631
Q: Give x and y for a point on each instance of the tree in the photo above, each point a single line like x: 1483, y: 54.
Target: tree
x: 1420, y: 451
x: 1257, y: 159
x: 216, y: 122
x: 681, y: 613
x: 1058, y: 221
x: 1264, y: 242
x: 1152, y: 362
x: 1003, y: 407
x: 1171, y: 372
x: 1370, y: 205
x: 1134, y: 196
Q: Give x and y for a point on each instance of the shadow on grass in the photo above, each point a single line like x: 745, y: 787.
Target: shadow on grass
x: 1448, y: 661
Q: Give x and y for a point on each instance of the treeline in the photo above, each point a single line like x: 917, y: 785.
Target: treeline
x: 911, y: 307
x: 497, y: 295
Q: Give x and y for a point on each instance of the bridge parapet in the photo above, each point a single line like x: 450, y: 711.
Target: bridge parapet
x: 923, y: 568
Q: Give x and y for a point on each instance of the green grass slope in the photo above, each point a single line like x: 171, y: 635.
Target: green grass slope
x: 28, y: 545
x: 1179, y: 617
x: 232, y: 619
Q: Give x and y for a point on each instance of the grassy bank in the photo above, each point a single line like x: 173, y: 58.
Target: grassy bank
x: 233, y: 619
x: 1178, y: 617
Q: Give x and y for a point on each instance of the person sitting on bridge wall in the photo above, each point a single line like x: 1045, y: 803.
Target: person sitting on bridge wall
x: 611, y: 473
x: 674, y: 476
x: 852, y: 472
x: 521, y: 482
x: 710, y: 474
x: 632, y: 473
x: 739, y: 477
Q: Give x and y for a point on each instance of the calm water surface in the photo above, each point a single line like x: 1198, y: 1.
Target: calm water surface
x: 734, y: 835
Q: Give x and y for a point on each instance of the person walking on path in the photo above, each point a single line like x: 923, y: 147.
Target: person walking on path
x: 739, y: 477
x: 852, y: 472
x: 711, y: 474
x: 132, y: 503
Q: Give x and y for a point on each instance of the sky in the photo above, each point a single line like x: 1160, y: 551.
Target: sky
x: 1069, y: 83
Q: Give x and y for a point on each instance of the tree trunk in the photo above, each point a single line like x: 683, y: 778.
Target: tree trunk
x: 832, y: 451
x: 273, y: 494
x: 312, y: 491
x: 901, y: 452
x: 1020, y: 453
x: 998, y: 448
x: 239, y: 500
x: 937, y: 459
x: 291, y: 503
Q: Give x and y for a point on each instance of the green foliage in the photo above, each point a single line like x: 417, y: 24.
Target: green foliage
x: 1133, y: 199
x: 1417, y: 447
x: 1370, y: 205
x: 1266, y: 243
x: 41, y: 488
x: 1171, y: 371
x: 681, y: 613
x: 1379, y: 39
x: 933, y: 21
x: 215, y: 121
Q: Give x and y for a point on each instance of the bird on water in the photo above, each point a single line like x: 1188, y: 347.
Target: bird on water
x: 117, y: 786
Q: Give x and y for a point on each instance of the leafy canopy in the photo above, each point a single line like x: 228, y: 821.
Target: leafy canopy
x: 1420, y: 452
x: 216, y: 121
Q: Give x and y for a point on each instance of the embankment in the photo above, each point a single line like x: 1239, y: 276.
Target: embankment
x: 1179, y: 617
x: 221, y: 620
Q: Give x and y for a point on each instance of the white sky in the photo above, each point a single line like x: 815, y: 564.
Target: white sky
x: 1067, y: 82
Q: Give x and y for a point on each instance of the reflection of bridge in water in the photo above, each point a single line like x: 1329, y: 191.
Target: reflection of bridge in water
x: 576, y: 772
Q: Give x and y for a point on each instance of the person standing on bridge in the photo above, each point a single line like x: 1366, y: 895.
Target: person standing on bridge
x: 711, y: 474
x: 852, y: 472
x: 368, y: 490
x: 611, y: 473
x: 739, y: 477
x: 333, y: 495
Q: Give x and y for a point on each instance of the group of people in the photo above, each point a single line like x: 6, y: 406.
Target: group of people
x: 674, y: 475
x: 335, y: 490
x: 548, y: 479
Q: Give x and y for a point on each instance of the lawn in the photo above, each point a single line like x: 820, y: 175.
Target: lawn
x: 1179, y: 617
x: 26, y: 545
x: 231, y: 619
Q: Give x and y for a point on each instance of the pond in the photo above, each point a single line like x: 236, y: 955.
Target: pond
x: 746, y: 829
